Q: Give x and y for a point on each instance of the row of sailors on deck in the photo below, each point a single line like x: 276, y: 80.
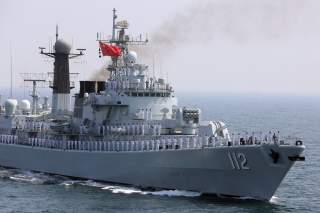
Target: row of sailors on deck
x: 33, y: 125
x: 271, y: 137
x: 145, y: 145
x: 125, y: 129
x: 117, y: 85
x: 9, y: 139
x: 133, y: 145
x: 148, y: 145
x: 125, y: 84
x: 187, y: 142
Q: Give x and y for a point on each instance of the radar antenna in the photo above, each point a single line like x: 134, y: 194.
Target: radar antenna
x: 119, y: 41
x: 57, y: 33
x: 35, y: 78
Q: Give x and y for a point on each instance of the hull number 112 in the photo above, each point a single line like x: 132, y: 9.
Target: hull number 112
x: 238, y: 161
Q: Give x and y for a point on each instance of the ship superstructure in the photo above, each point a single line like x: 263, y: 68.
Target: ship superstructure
x: 132, y: 101
x: 130, y: 129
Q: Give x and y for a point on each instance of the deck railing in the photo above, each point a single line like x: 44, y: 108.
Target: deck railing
x: 157, y: 144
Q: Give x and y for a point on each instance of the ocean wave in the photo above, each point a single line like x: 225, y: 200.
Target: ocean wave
x: 174, y: 193
x: 274, y: 200
x: 42, y: 178
x: 118, y: 189
x: 5, y: 174
x: 34, y: 178
x: 123, y: 190
x: 70, y: 182
x: 167, y: 193
x: 29, y: 177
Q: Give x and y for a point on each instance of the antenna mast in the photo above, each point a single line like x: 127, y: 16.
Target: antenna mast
x: 11, y: 71
x: 35, y: 78
x: 57, y: 32
x: 114, y: 24
x: 118, y: 40
x: 153, y: 68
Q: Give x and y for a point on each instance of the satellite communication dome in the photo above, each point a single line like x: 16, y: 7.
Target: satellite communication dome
x: 10, y: 106
x: 131, y: 57
x: 62, y: 47
x: 25, y: 105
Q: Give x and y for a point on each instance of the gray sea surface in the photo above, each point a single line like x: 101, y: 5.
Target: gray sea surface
x: 25, y: 191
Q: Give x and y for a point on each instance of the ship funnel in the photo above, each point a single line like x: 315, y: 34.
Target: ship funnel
x: 91, y: 87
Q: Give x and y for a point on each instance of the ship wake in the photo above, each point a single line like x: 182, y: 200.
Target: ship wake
x: 48, y: 179
x: 119, y: 189
x: 45, y: 179
x: 30, y: 177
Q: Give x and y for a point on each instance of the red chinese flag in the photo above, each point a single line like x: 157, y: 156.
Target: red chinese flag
x: 110, y: 50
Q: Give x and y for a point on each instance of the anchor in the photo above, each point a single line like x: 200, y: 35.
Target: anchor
x: 274, y: 155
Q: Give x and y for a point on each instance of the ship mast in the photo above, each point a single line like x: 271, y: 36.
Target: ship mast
x: 114, y: 24
x: 61, y: 76
x: 113, y: 39
x: 34, y: 94
x: 57, y: 33
x: 121, y: 40
x: 37, y: 80
x: 11, y: 73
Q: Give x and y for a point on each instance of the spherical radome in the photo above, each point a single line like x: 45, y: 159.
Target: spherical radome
x: 25, y: 105
x: 10, y: 106
x: 62, y: 46
x: 131, y: 57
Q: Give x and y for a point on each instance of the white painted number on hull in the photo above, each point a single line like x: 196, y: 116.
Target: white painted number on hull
x: 238, y: 161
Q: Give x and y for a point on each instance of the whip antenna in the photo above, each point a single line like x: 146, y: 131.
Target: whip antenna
x: 11, y: 71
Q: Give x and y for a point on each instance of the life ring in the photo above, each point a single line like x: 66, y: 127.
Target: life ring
x: 298, y: 143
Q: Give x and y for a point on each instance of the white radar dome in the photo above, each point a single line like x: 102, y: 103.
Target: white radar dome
x: 25, y: 105
x: 131, y: 57
x: 10, y: 106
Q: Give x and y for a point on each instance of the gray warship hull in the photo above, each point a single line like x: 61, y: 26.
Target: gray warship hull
x: 129, y: 129
x: 245, y: 171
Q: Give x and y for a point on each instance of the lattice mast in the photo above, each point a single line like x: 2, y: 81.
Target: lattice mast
x: 37, y: 80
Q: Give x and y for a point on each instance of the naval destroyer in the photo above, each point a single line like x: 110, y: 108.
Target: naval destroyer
x: 130, y: 129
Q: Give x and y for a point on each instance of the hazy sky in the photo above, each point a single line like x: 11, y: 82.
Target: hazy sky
x: 237, y: 46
